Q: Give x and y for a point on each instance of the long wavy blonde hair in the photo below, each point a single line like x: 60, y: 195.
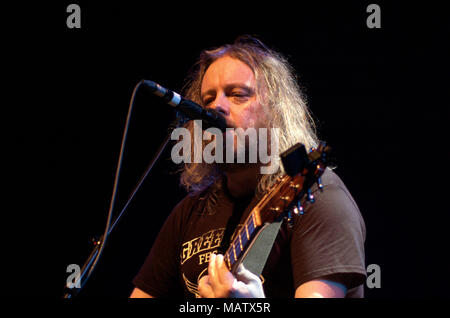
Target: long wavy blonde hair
x: 277, y: 91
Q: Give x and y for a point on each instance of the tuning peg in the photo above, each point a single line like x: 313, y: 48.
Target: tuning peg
x: 276, y: 209
x: 299, y: 208
x: 320, y: 184
x: 289, y: 217
x: 310, y: 197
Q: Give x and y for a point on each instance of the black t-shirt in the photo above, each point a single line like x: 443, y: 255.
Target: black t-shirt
x: 327, y: 240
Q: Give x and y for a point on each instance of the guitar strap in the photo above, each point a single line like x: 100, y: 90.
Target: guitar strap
x: 255, y: 257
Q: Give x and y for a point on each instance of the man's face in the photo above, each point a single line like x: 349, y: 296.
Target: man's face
x: 229, y: 87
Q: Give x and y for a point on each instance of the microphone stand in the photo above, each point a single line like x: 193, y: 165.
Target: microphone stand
x: 99, y: 244
x: 72, y: 292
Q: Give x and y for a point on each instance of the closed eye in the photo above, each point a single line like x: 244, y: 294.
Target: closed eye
x: 241, y: 96
x: 207, y: 100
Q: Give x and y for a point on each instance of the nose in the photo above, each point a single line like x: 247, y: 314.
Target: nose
x: 221, y: 105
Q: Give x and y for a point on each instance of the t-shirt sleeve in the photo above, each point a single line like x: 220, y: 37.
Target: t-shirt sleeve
x: 159, y: 275
x: 329, y: 239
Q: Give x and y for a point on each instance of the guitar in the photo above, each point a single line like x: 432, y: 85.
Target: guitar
x: 284, y: 196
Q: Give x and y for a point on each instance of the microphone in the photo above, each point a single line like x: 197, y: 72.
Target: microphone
x: 209, y: 117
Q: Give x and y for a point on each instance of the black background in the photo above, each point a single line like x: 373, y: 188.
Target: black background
x: 375, y: 93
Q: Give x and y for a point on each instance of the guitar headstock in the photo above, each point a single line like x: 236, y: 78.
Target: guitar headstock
x: 303, y: 170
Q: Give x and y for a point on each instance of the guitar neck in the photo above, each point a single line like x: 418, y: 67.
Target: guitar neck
x: 242, y: 240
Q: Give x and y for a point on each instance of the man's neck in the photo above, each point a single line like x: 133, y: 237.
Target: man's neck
x: 242, y: 182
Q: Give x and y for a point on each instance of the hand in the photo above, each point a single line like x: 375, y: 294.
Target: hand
x: 220, y: 283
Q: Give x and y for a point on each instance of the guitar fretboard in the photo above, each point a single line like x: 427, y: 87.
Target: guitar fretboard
x: 242, y: 239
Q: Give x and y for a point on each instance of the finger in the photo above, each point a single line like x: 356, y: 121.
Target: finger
x: 214, y: 279
x: 212, y: 273
x: 245, y: 275
x: 220, y: 279
x: 205, y: 290
x: 204, y: 280
x: 239, y: 290
x: 225, y: 277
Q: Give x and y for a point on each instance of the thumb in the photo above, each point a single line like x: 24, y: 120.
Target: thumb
x: 245, y: 276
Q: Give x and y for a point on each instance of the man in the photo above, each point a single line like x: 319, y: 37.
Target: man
x: 320, y: 255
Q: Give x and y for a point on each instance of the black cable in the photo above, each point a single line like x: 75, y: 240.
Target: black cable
x: 94, y: 257
x: 116, y: 181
